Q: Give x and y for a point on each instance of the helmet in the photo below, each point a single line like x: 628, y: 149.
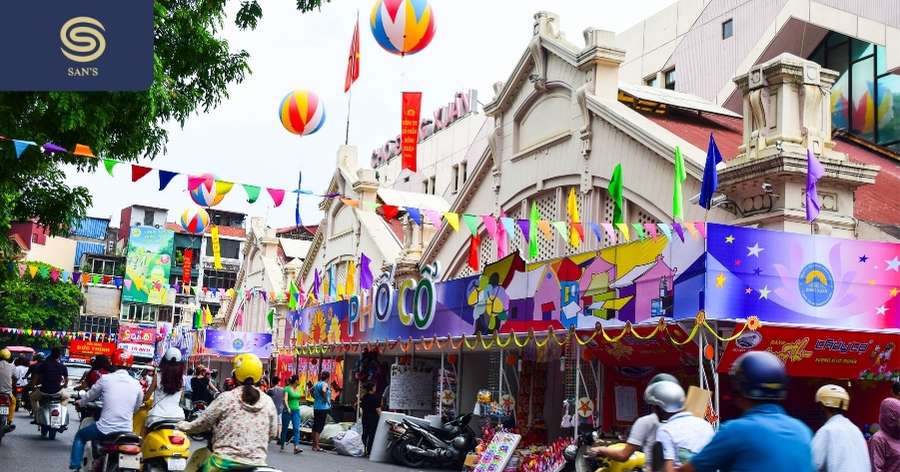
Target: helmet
x: 759, y: 375
x: 5, y: 354
x: 833, y: 396
x: 668, y: 396
x: 247, y: 366
x: 657, y: 378
x: 121, y: 358
x: 172, y: 355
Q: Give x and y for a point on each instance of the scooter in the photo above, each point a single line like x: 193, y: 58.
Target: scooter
x: 52, y: 417
x: 199, y: 456
x: 22, y: 400
x: 117, y: 452
x: 417, y: 446
x: 578, y: 460
x: 5, y: 401
x: 88, y: 414
x: 165, y: 449
x: 197, y: 408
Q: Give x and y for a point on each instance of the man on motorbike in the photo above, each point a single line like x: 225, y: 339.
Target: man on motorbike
x: 242, y: 421
x: 838, y: 445
x: 643, y: 431
x: 122, y: 396
x: 50, y: 376
x: 99, y: 368
x: 7, y: 380
x: 680, y: 433
x: 765, y: 438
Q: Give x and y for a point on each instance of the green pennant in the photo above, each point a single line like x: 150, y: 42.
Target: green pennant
x: 615, y: 193
x: 533, y: 220
x: 561, y: 228
x: 109, y: 164
x: 252, y: 192
x: 639, y: 230
x: 677, y: 195
x: 95, y: 279
x: 44, y: 272
x: 471, y: 222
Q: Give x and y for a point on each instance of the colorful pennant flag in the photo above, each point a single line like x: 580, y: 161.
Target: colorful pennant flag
x: 389, y: 211
x: 452, y: 220
x: 165, y: 177
x: 546, y: 229
x: 137, y: 172
x: 435, y: 218
x: 471, y: 222
x: 574, y: 237
x: 292, y: 295
x: 615, y: 192
x: 474, y: 244
x: 679, y: 230
x: 623, y: 228
x: 21, y: 145
x: 109, y: 164
x: 814, y: 172
x: 350, y: 282
x: 561, y: 229
x: 365, y: 272
x: 414, y: 215
x: 51, y: 148
x: 252, y: 192
x: 710, y: 174
x: 82, y: 150
x: 533, y: 220
x: 638, y: 230
x: 277, y: 195
x: 677, y: 194
x: 666, y: 230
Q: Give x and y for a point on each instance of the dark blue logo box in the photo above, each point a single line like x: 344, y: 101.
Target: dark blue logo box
x: 76, y: 45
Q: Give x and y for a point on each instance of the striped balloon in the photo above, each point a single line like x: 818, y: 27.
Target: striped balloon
x: 194, y: 220
x: 209, y: 192
x: 301, y: 112
x: 402, y: 26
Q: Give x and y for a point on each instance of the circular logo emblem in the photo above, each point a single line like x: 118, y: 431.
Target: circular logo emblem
x: 82, y: 39
x: 816, y: 284
x: 237, y: 344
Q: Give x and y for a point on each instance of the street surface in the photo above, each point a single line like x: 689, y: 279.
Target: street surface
x: 23, y: 450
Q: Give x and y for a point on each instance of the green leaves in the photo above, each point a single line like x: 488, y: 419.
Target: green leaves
x: 38, y: 302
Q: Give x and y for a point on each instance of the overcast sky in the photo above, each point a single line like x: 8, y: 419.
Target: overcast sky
x: 476, y: 44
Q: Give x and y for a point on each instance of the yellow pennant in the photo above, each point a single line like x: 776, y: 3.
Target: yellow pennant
x: 452, y: 220
x: 216, y: 248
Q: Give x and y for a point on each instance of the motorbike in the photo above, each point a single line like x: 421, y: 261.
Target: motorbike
x: 165, y: 449
x: 5, y: 401
x: 199, y: 456
x: 52, y: 416
x: 117, y: 452
x: 88, y: 414
x: 22, y: 400
x: 578, y: 459
x: 197, y: 408
x: 414, y: 445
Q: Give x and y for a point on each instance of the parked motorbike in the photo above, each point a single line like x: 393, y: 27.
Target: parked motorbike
x: 578, y: 459
x: 414, y: 445
x: 5, y: 401
x: 165, y: 449
x: 52, y: 416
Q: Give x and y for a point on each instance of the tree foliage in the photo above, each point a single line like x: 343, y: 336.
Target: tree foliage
x: 38, y: 302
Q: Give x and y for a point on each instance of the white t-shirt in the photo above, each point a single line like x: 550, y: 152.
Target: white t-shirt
x: 122, y: 396
x: 682, y: 436
x: 643, y: 435
x: 21, y: 372
x: 6, y: 376
x: 839, y: 446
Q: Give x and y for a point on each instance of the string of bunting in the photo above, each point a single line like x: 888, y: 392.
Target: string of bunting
x: 52, y: 333
x: 25, y: 270
x: 752, y: 323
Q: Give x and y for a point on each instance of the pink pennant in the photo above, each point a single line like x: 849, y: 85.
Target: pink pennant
x: 194, y: 181
x: 277, y: 195
x: 650, y: 228
x: 701, y: 228
x: 54, y: 275
x: 490, y: 225
x: 502, y: 241
x: 22, y: 269
x: 610, y: 231
x: 435, y: 218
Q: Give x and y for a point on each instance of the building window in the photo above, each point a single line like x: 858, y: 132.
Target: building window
x: 463, y: 172
x: 229, y: 248
x: 431, y: 182
x: 670, y: 79
x: 455, y: 177
x: 148, y: 218
x: 140, y: 313
x: 727, y: 28
x: 219, y: 279
x: 100, y: 266
x: 650, y: 81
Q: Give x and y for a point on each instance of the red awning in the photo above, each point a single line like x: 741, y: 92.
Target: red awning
x: 655, y: 352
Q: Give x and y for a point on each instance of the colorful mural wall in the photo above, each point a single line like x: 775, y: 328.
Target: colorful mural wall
x: 793, y: 278
x: 149, y: 263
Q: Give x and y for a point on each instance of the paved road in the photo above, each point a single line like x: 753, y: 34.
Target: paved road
x: 24, y: 451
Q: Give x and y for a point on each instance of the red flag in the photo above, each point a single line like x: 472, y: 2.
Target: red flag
x: 187, y: 259
x: 138, y: 171
x: 474, y: 244
x: 353, y: 59
x: 409, y: 129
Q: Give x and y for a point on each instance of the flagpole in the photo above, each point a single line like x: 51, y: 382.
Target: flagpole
x: 347, y: 127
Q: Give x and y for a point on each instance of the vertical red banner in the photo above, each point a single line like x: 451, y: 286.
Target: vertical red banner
x: 409, y: 128
x: 187, y: 256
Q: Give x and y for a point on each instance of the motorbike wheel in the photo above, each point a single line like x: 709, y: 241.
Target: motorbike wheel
x: 43, y: 431
x: 51, y: 434
x: 403, y: 456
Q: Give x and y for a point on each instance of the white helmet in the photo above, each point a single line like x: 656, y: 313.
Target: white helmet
x: 668, y: 396
x: 172, y: 355
x: 833, y: 396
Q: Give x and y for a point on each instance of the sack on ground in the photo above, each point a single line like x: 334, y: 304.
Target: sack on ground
x: 349, y: 443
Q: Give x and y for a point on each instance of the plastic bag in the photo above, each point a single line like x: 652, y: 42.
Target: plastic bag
x: 357, y: 427
x: 349, y: 443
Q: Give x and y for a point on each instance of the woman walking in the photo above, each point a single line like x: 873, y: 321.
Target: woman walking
x: 370, y: 404
x: 321, y: 404
x: 290, y: 416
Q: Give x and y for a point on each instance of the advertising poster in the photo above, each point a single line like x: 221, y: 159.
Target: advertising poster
x: 230, y: 343
x: 808, y: 352
x: 132, y: 333
x: 85, y: 350
x: 149, y: 263
x: 794, y: 278
x: 138, y: 350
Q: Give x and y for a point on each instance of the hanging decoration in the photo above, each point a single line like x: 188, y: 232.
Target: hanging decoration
x: 187, y: 256
x: 402, y: 26
x: 207, y: 191
x: 194, y: 220
x: 301, y: 112
x: 216, y: 247
x: 409, y: 128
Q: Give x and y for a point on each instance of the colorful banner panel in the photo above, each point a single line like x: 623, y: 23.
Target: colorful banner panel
x: 636, y: 282
x: 131, y: 333
x: 149, y: 263
x: 230, y: 343
x: 794, y: 278
x: 85, y: 350
x: 822, y: 352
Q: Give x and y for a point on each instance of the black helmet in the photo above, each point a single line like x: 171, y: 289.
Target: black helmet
x: 759, y: 375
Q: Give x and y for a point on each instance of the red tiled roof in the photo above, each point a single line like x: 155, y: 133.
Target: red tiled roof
x: 871, y: 204
x: 227, y: 231
x: 287, y: 229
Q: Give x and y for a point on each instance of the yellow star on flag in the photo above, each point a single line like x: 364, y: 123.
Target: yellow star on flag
x: 871, y: 281
x: 729, y: 239
x: 720, y: 280
x: 894, y: 292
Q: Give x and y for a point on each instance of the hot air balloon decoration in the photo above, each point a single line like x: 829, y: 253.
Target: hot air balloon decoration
x: 402, y: 26
x: 194, y: 220
x: 207, y: 191
x: 301, y: 112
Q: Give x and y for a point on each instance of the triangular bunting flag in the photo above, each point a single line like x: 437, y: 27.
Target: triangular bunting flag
x: 638, y: 230
x: 474, y: 244
x: 434, y: 217
x: 692, y: 230
x: 252, y: 192
x: 389, y: 211
x: 665, y: 229
x: 452, y: 220
x: 32, y: 270
x: 21, y: 146
x: 277, y: 195
x: 509, y: 226
x: 623, y: 228
x: 223, y: 187
x: 109, y: 164
x: 678, y: 230
x: 701, y: 228
x: 545, y: 228
x: 471, y: 222
x: 650, y: 228
x: 350, y: 202
x: 595, y: 228
x: 137, y: 172
x: 194, y: 181
x: 414, y: 215
x: 51, y: 148
x: 561, y: 229
x: 524, y: 226
x: 490, y: 225
x: 82, y: 150
x: 44, y: 272
x: 165, y: 177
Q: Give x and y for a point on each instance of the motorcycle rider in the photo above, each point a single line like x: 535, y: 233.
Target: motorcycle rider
x: 643, y: 431
x: 680, y: 433
x: 765, y: 437
x: 7, y: 380
x: 122, y: 396
x: 51, y: 376
x: 242, y: 420
x: 167, y: 396
x: 838, y: 445
x: 99, y: 368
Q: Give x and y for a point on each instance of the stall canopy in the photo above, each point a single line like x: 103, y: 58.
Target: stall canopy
x: 657, y: 351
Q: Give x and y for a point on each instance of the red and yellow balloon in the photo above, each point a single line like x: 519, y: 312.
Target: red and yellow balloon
x: 402, y: 26
x: 301, y: 112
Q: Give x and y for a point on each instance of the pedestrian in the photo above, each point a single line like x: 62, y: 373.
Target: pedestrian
x: 643, y: 431
x: 321, y: 405
x: 681, y: 434
x: 765, y: 438
x: 370, y: 404
x: 884, y: 447
x: 838, y: 446
x: 290, y: 414
x: 276, y: 392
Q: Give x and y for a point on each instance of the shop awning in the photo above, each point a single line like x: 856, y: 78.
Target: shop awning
x: 658, y: 351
